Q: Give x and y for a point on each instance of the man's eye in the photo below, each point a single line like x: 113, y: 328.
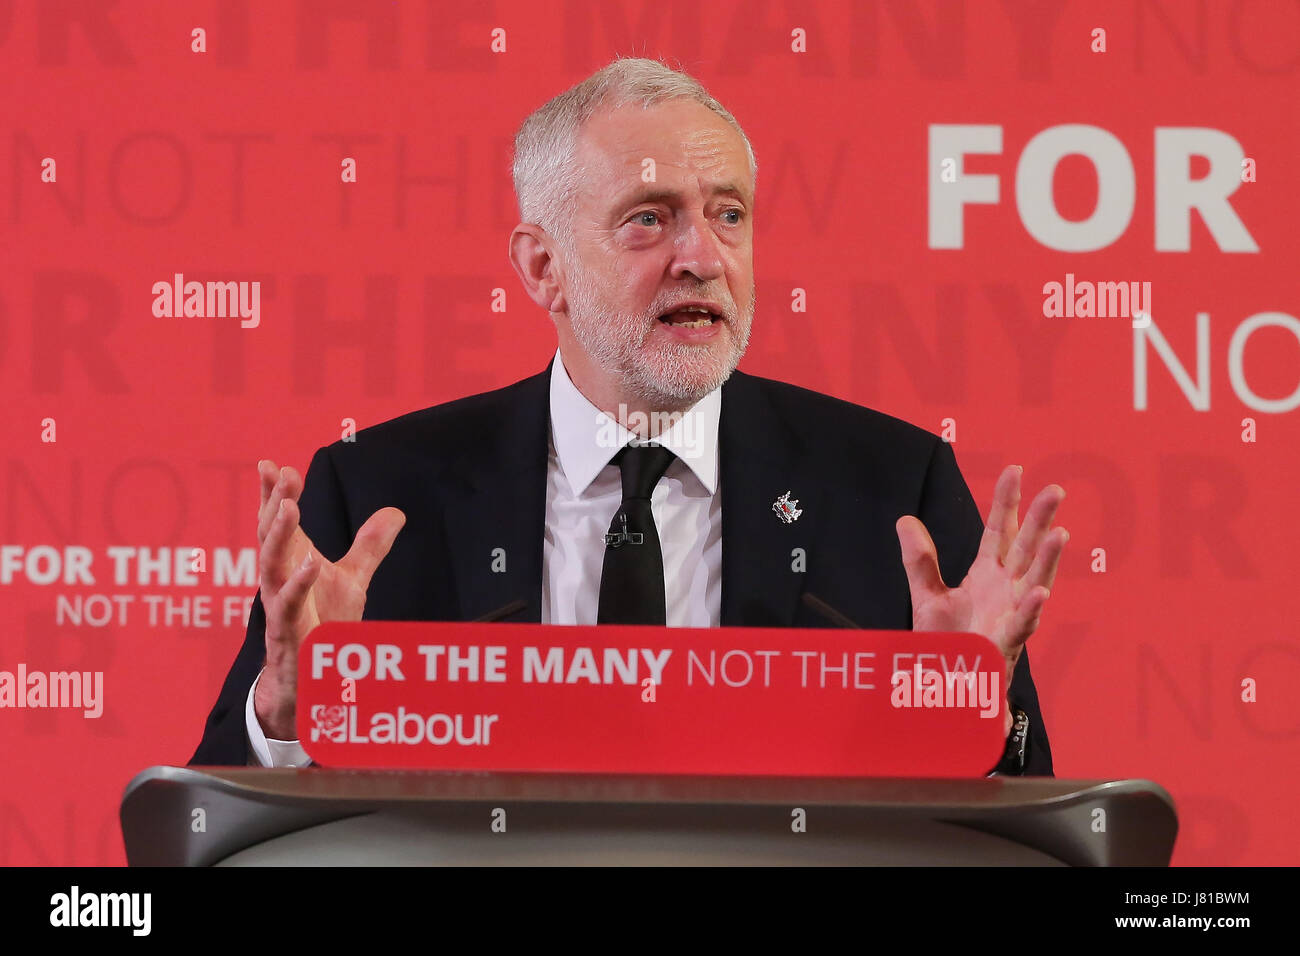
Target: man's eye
x: 639, y: 216
x: 739, y: 215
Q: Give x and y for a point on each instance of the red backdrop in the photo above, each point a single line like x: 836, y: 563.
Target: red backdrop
x: 377, y: 299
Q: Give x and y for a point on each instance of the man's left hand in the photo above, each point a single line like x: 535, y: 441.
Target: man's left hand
x: 1003, y: 594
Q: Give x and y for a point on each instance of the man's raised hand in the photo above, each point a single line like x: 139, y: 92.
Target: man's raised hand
x: 301, y: 589
x: 1003, y: 594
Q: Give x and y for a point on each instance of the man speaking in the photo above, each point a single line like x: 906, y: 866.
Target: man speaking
x: 640, y: 478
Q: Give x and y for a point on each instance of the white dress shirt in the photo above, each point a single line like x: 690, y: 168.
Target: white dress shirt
x: 583, y: 492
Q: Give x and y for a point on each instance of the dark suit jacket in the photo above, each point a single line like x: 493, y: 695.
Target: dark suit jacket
x: 470, y: 476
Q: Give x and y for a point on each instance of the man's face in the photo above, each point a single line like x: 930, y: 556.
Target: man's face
x: 644, y: 248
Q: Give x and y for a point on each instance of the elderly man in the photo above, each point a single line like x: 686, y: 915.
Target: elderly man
x: 640, y: 478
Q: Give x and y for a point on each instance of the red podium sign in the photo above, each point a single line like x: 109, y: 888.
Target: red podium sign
x: 623, y: 699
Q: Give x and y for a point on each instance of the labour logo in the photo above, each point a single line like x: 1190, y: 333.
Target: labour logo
x: 331, y: 722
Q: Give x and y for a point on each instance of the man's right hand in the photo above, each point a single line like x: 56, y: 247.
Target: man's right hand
x: 301, y: 589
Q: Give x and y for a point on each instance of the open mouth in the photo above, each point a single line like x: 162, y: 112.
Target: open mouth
x: 691, y: 317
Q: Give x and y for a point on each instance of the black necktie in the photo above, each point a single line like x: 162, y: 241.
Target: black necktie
x: 632, y: 580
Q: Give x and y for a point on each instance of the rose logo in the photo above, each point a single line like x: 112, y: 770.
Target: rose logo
x: 331, y: 722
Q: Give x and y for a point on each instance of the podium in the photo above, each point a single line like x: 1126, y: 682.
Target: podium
x: 323, y: 817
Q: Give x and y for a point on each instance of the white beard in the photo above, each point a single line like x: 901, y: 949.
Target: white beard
x: 676, y: 375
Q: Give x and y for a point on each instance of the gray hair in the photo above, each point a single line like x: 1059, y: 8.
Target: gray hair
x: 544, y: 169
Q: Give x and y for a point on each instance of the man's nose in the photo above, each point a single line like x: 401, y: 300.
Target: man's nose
x: 696, y: 251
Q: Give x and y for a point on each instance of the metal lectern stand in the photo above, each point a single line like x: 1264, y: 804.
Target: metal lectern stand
x: 321, y: 817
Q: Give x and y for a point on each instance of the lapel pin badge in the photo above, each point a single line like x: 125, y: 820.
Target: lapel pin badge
x: 786, y: 509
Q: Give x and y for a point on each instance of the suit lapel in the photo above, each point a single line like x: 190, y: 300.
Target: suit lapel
x: 495, y: 509
x: 496, y: 499
x: 761, y: 458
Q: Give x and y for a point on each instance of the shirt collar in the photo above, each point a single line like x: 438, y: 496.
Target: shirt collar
x: 586, y: 438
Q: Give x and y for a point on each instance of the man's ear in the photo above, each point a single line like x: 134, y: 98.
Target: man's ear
x: 530, y: 254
